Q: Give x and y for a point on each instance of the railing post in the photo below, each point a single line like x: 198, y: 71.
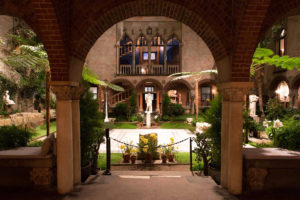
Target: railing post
x: 107, y: 171
x: 191, y: 155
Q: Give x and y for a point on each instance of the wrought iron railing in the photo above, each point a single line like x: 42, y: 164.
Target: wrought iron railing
x: 160, y: 70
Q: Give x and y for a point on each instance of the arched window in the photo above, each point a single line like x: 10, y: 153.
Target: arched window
x: 157, y: 50
x: 126, y: 51
x: 173, y: 51
x: 283, y: 91
x: 141, y: 50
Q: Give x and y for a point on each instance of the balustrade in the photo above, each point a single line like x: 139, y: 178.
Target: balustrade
x: 148, y: 70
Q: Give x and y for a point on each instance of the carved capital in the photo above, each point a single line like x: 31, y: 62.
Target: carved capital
x: 76, y: 92
x: 62, y: 92
x: 234, y: 91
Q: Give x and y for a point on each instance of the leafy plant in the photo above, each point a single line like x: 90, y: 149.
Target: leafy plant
x: 132, y: 104
x: 121, y: 111
x: 14, y: 136
x: 203, y: 150
x: 176, y: 109
x: 165, y: 105
x: 148, y: 145
x: 289, y: 135
x: 213, y: 116
x: 274, y: 109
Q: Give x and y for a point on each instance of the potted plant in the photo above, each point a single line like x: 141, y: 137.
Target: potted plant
x: 148, y: 147
x: 133, y: 156
x: 171, y: 150
x: 163, y: 155
x: 126, y: 151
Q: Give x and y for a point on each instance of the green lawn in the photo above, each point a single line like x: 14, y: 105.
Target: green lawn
x: 261, y: 145
x: 115, y: 159
x: 176, y: 125
x: 183, y: 117
x: 42, y: 130
x: 181, y: 158
x: 125, y: 126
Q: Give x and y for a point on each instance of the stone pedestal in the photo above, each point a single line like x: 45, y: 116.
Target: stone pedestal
x: 148, y: 119
x: 67, y: 117
x: 232, y: 134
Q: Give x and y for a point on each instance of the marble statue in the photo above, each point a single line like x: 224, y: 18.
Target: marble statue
x: 252, y: 104
x: 149, y: 99
x: 7, y: 100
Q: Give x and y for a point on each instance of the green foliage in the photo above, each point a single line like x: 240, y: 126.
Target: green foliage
x: 274, y: 109
x: 37, y: 143
x: 165, y: 104
x: 175, y: 109
x: 132, y: 104
x: 289, y: 135
x: 165, y: 118
x: 213, y: 116
x: 91, y: 127
x: 139, y: 118
x: 249, y: 123
x: 183, y: 117
x: 177, y: 125
x: 125, y: 126
x: 121, y: 111
x: 185, y: 75
x: 14, y: 136
x: 133, y: 118
x: 203, y: 150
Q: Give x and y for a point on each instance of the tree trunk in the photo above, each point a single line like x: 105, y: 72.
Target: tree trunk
x: 259, y: 83
x: 197, y: 99
x: 205, y: 165
x: 48, y: 99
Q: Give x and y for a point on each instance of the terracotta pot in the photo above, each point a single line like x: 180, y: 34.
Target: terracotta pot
x: 133, y: 159
x: 171, y: 158
x: 126, y: 158
x: 164, y: 158
x: 148, y: 158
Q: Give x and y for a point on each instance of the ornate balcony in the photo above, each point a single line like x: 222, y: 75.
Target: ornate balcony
x: 152, y: 70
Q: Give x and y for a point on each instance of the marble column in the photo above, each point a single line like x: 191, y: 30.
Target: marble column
x: 76, y: 92
x: 157, y: 102
x: 141, y: 102
x: 197, y: 97
x: 133, y: 59
x: 165, y: 59
x: 232, y: 134
x: 99, y: 92
x: 63, y: 91
x: 149, y: 59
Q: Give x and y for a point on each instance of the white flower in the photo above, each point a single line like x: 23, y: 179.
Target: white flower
x: 266, y: 123
x: 156, y: 116
x: 277, y: 124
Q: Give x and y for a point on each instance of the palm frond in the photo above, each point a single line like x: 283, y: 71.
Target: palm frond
x: 185, y: 75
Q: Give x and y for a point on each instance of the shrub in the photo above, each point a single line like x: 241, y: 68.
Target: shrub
x: 14, y: 136
x: 165, y: 104
x: 133, y: 118
x: 274, y: 110
x: 213, y: 116
x: 289, y: 135
x: 176, y: 109
x: 165, y: 118
x: 91, y: 129
x: 139, y: 118
x: 121, y: 111
x: 133, y: 104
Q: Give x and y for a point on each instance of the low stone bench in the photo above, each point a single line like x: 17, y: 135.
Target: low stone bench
x: 28, y: 166
x: 270, y: 168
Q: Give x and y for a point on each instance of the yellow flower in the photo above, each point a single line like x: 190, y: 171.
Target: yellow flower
x: 172, y: 140
x: 132, y: 151
x: 153, y: 135
x: 159, y: 150
x: 122, y: 146
x: 177, y: 148
x: 145, y: 140
x: 145, y: 149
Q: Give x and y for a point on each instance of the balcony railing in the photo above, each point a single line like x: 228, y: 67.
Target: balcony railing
x: 127, y: 70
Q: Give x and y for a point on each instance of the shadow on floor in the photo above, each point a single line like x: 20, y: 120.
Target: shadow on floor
x: 282, y: 194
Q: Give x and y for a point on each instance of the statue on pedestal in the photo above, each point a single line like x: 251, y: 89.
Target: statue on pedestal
x: 8, y: 102
x: 148, y: 111
x: 252, y: 104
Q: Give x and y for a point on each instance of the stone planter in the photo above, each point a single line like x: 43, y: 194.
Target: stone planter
x: 164, y: 158
x: 126, y: 158
x: 148, y: 158
x: 171, y: 158
x: 86, y: 171
x: 133, y: 159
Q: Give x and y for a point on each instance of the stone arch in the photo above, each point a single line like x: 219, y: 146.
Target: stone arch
x: 274, y: 83
x: 295, y: 84
x: 123, y: 80
x: 181, y: 81
x: 156, y: 82
x: 196, y: 20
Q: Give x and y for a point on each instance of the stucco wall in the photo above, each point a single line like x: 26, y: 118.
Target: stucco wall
x: 102, y: 57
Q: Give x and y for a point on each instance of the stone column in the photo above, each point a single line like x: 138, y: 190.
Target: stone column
x: 63, y: 91
x: 165, y: 59
x: 149, y: 58
x: 133, y: 59
x: 99, y: 92
x: 157, y: 102
x: 197, y: 97
x: 232, y: 134
x: 76, y: 91
x: 141, y: 102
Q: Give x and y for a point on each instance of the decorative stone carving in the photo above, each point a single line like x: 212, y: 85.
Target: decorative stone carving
x: 252, y: 104
x: 256, y: 178
x: 234, y: 91
x: 77, y: 91
x: 42, y: 176
x: 65, y: 92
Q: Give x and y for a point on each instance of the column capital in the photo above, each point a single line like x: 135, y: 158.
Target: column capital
x: 234, y: 91
x: 67, y: 90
